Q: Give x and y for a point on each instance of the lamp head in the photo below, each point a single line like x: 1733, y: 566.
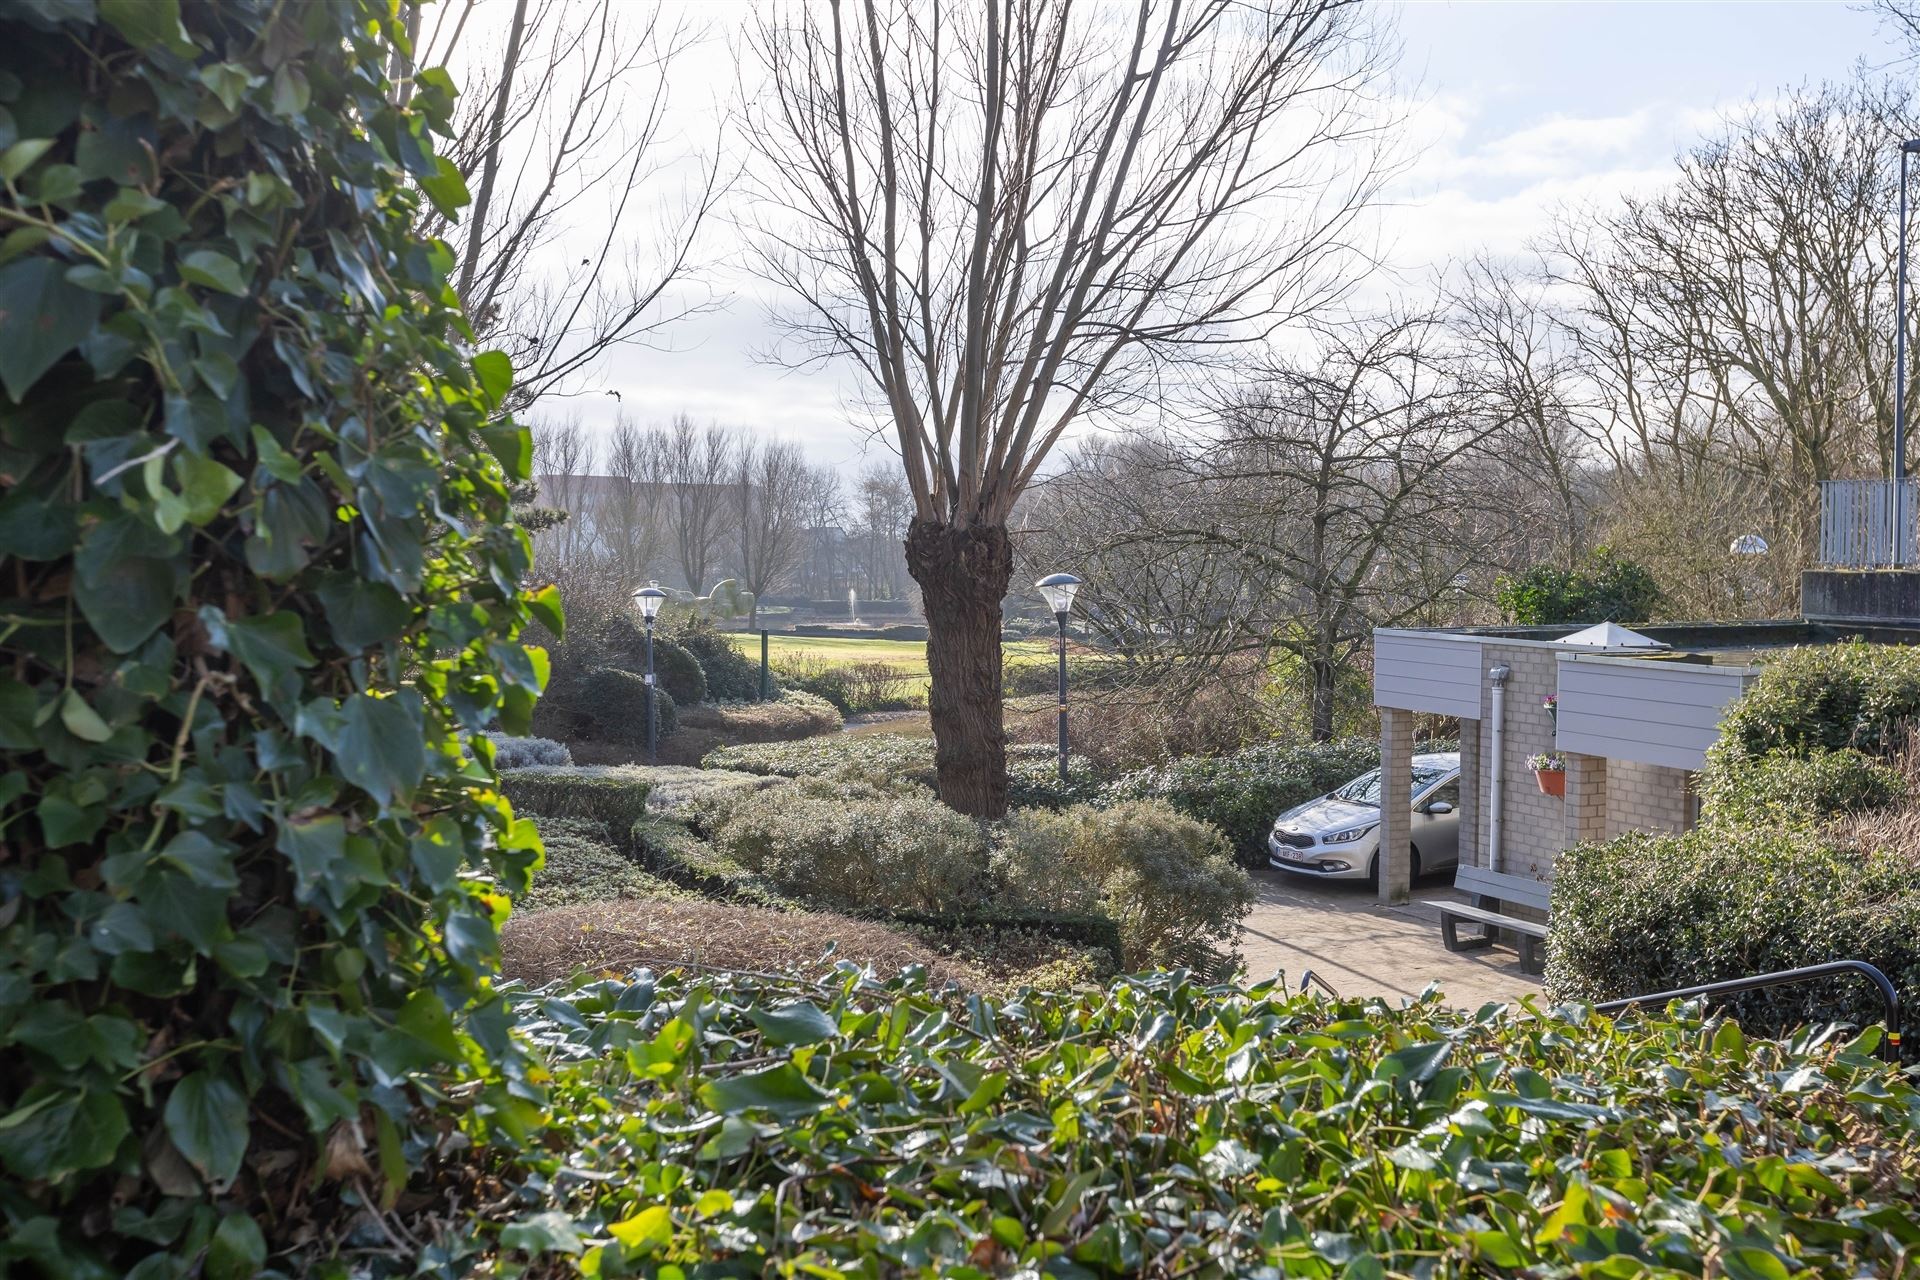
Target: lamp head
x: 1058, y: 590
x: 1748, y: 544
x: 650, y: 598
x: 1911, y: 146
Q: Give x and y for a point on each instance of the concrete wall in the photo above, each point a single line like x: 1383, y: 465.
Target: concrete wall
x: 1860, y: 595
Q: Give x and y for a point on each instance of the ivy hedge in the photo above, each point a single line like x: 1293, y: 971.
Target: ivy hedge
x: 261, y: 595
x: 759, y: 1126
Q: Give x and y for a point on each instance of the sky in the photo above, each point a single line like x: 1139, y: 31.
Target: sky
x: 1513, y: 110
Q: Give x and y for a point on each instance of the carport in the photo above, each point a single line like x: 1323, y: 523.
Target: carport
x: 1632, y: 715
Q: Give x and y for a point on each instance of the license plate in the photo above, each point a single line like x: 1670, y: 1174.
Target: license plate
x: 1287, y: 853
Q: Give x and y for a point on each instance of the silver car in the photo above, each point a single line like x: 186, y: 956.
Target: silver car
x: 1337, y: 837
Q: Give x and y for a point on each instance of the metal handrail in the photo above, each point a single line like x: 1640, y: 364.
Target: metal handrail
x: 1312, y: 979
x: 1889, y: 994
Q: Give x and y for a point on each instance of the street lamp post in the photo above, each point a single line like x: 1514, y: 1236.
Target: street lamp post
x: 1058, y: 589
x: 650, y: 598
x: 1908, y: 146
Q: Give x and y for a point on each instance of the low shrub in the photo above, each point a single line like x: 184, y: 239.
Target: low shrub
x: 1203, y: 1132
x: 615, y: 796
x: 1654, y: 912
x: 878, y: 759
x: 677, y: 789
x: 856, y: 846
x: 1166, y: 880
x: 793, y: 714
x: 856, y: 688
x: 1783, y: 787
x: 670, y: 849
x: 585, y: 865
x: 521, y: 753
x: 1825, y: 697
x: 675, y: 668
x: 615, y: 704
x: 1243, y: 793
x: 883, y: 760
x: 732, y: 676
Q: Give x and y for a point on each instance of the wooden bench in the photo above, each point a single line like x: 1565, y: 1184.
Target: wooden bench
x: 1484, y: 885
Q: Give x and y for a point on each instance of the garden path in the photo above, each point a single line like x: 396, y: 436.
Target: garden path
x: 1342, y: 933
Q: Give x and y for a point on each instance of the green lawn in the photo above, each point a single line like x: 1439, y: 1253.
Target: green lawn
x: 905, y: 655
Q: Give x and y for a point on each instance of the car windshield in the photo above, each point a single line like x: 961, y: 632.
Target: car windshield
x: 1365, y: 789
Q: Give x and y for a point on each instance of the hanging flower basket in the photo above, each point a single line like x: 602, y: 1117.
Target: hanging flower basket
x: 1550, y: 772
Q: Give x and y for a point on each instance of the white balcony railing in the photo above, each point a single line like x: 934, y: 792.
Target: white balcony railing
x: 1859, y: 520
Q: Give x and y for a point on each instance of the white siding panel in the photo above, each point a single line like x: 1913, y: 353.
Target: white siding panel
x: 1418, y: 671
x: 1664, y: 713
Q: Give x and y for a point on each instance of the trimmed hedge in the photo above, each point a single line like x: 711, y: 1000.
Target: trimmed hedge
x: 522, y: 753
x: 674, y: 852
x: 849, y: 845
x: 585, y: 865
x: 1033, y: 778
x: 615, y: 796
x: 792, y: 715
x: 615, y: 701
x: 1653, y: 912
x: 1244, y: 792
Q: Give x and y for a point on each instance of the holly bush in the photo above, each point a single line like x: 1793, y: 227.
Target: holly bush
x: 260, y: 592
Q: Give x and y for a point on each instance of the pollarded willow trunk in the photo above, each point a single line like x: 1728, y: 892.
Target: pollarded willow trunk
x: 963, y: 572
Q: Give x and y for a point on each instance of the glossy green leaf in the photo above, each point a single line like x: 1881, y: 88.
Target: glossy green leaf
x: 126, y: 600
x: 801, y: 1022
x: 148, y: 23
x: 213, y: 269
x: 780, y: 1091
x: 379, y: 748
x: 42, y: 318
x: 273, y: 647
x: 494, y: 370
x: 206, y: 1116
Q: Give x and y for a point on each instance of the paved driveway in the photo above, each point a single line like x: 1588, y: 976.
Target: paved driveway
x: 1343, y: 934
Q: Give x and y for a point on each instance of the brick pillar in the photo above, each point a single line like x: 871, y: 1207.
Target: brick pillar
x: 1396, y: 809
x: 1473, y: 845
x: 1585, y: 816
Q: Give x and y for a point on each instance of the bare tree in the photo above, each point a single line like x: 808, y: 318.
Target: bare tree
x: 584, y: 229
x: 697, y: 468
x: 770, y: 495
x: 630, y: 514
x: 1010, y: 215
x: 884, y: 509
x: 563, y: 458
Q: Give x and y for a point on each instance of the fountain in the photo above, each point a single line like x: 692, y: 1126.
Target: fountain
x: 853, y: 606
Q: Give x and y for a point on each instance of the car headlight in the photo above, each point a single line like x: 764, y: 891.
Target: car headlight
x: 1344, y: 837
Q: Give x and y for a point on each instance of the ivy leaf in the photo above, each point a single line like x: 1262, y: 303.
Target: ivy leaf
x: 238, y: 1250
x: 782, y: 1091
x: 378, y: 747
x: 205, y: 485
x: 207, y: 862
x: 315, y: 846
x: 273, y: 647
x: 494, y: 370
x: 213, y: 269
x: 545, y: 606
x: 549, y: 1232
x: 799, y: 1023
x: 290, y: 91
x: 42, y: 318
x: 51, y: 1133
x: 512, y: 444
x: 446, y: 188
x: 206, y: 1117
x: 147, y: 23
x: 81, y: 720
x: 362, y: 613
